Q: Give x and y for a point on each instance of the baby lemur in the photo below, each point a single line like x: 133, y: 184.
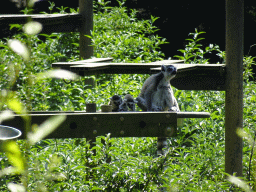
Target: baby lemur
x: 115, y: 101
x: 128, y: 103
x: 157, y: 94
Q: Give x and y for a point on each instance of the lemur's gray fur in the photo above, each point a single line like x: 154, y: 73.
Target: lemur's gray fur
x: 128, y: 103
x: 157, y: 94
x: 115, y: 101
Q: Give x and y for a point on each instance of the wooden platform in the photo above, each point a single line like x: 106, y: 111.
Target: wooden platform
x: 119, y: 124
x: 189, y: 76
x: 51, y: 22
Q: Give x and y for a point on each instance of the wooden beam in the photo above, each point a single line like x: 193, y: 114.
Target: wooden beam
x: 189, y: 76
x: 51, y: 22
x: 94, y: 60
x: 234, y: 86
x: 86, y: 11
x: 119, y: 124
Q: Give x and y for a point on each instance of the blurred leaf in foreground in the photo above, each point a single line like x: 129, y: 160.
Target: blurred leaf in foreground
x: 57, y: 73
x: 240, y: 183
x: 32, y: 28
x: 14, y: 155
x: 19, y: 48
x: 6, y: 115
x: 46, y: 128
x: 13, y: 187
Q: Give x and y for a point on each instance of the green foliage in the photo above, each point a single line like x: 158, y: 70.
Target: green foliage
x: 195, y: 158
x: 124, y: 38
x: 248, y: 74
x: 193, y: 52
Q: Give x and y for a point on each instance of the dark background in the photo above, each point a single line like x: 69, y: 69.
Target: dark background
x: 176, y: 20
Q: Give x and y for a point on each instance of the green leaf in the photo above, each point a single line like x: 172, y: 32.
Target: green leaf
x: 17, y: 106
x: 190, y: 40
x: 200, y: 39
x: 14, y: 155
x: 18, y: 26
x: 96, y: 188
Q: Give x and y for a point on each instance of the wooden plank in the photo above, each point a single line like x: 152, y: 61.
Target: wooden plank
x: 113, y: 68
x: 193, y: 115
x: 119, y: 124
x: 189, y: 76
x: 185, y: 67
x: 200, y: 77
x: 93, y: 60
x: 86, y: 62
x: 21, y: 18
x: 91, y: 66
x: 51, y: 22
x: 169, y: 62
x: 109, y: 68
x: 153, y: 66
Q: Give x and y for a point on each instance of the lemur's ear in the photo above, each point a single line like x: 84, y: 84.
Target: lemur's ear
x: 163, y: 68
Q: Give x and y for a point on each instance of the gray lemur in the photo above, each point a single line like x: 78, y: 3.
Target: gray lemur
x: 115, y: 101
x: 128, y: 103
x: 157, y: 94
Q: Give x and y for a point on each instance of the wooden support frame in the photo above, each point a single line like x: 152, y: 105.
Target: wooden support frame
x: 234, y: 86
x: 82, y: 22
x: 61, y: 22
x: 189, y: 76
x: 119, y: 124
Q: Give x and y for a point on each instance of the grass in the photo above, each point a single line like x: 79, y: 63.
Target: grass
x: 195, y: 158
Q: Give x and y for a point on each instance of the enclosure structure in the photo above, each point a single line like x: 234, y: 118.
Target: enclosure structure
x: 225, y: 77
x: 234, y: 85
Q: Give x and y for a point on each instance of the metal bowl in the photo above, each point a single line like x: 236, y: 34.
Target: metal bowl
x: 7, y: 132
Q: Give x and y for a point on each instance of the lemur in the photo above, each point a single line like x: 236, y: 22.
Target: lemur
x: 157, y: 95
x: 115, y: 101
x: 128, y: 103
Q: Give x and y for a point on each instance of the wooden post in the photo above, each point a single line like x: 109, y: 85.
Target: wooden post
x: 234, y: 85
x: 86, y: 10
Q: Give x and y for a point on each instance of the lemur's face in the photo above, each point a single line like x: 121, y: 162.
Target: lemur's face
x: 169, y: 71
x: 116, y: 100
x: 125, y: 106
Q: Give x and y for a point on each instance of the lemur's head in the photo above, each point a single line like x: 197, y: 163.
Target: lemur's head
x: 116, y: 100
x: 128, y: 103
x: 169, y: 71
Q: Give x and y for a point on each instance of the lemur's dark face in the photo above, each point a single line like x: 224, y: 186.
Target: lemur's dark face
x: 117, y: 100
x: 125, y: 106
x: 169, y: 71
